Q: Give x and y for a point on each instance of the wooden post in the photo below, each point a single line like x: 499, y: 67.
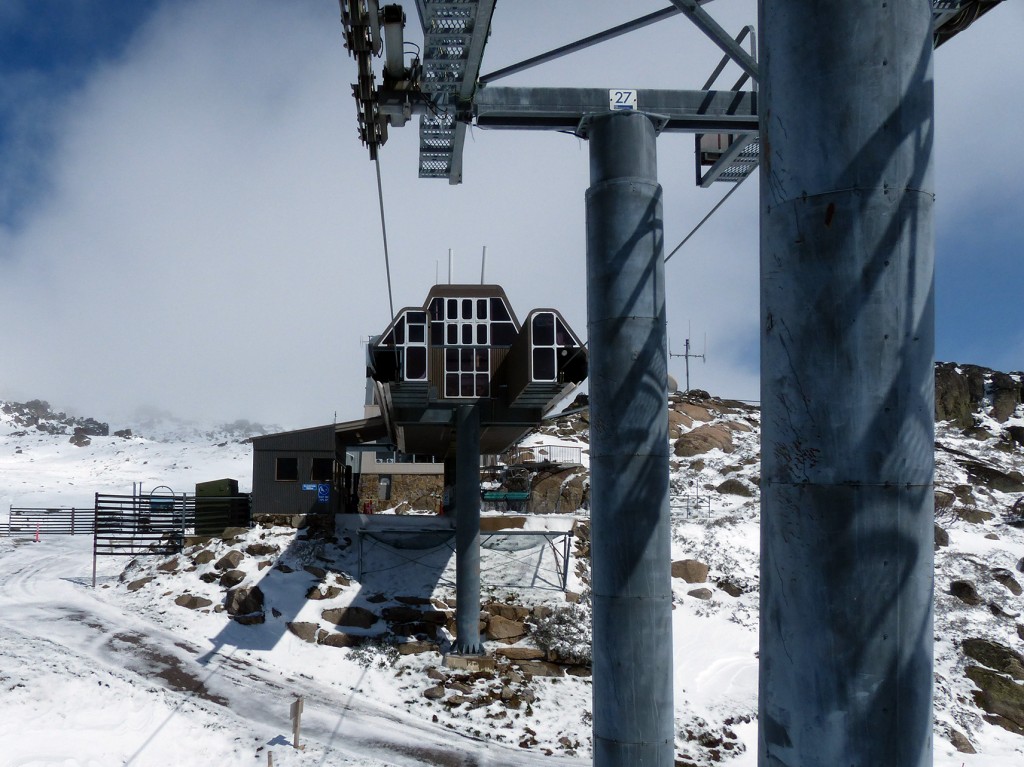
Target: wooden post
x: 296, y: 721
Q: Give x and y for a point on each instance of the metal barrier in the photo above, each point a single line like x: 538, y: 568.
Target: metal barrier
x: 157, y: 525
x: 54, y: 521
x: 563, y: 455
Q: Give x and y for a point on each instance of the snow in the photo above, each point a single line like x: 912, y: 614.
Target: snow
x: 113, y: 676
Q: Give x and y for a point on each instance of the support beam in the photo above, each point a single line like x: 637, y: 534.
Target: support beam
x: 703, y: 21
x: 630, y: 535
x: 847, y: 354
x: 467, y: 530
x: 564, y: 108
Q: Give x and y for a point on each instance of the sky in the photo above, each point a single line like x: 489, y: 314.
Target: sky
x: 189, y: 223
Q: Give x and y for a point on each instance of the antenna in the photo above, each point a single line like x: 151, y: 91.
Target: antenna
x: 686, y: 356
x: 450, y: 257
x: 483, y: 264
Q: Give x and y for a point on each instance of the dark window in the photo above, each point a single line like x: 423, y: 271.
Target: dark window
x: 287, y: 470
x: 453, y: 334
x: 451, y: 385
x: 322, y: 470
x: 452, y: 309
x: 415, y: 363
x: 416, y: 317
x: 400, y: 332
x: 467, y: 308
x: 544, y: 329
x: 502, y: 333
x: 467, y: 333
x: 562, y: 336
x: 481, y: 334
x: 437, y: 309
x: 481, y: 384
x: 498, y: 310
x: 384, y: 488
x: 543, y: 364
x: 437, y: 334
x: 481, y: 308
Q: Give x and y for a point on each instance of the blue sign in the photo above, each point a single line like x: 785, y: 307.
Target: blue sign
x: 323, y: 493
x: 311, y: 486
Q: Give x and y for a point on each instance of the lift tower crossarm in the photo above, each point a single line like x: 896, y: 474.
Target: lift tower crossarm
x: 563, y: 109
x: 703, y: 21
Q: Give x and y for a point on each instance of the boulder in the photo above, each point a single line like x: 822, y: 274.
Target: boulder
x: 434, y: 693
x: 203, y: 557
x: 690, y: 570
x: 192, y: 602
x: 136, y: 585
x: 355, y: 617
x: 995, y: 656
x: 941, y: 537
x: 261, y: 549
x: 230, y: 561
x: 304, y: 630
x: 168, y: 566
x: 520, y: 653
x: 541, y: 668
x: 504, y: 629
x: 703, y: 439
x: 1000, y: 696
x: 1004, y: 577
x: 704, y: 594
x: 966, y: 592
x: 244, y: 601
x: 231, y: 578
x: 733, y: 486
x: 323, y: 592
x: 338, y: 639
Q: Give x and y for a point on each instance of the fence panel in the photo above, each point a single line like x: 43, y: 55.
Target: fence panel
x: 24, y: 522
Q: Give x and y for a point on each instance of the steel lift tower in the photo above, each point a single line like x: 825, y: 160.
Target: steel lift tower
x: 842, y: 130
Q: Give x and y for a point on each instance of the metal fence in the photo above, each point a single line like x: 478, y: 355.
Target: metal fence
x: 38, y: 522
x: 563, y: 455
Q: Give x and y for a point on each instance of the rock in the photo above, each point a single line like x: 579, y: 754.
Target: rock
x: 690, y: 570
x: 1005, y: 577
x: 123, y: 433
x: 512, y: 612
x: 80, y: 440
x: 944, y: 499
x: 356, y: 617
x: 136, y: 585
x: 323, y: 592
x: 952, y: 396
x: 966, y: 592
x: 1005, y: 396
x: 995, y: 656
x: 169, y: 566
x: 960, y: 742
x: 203, y: 557
x: 232, y: 578
x: 261, y: 549
x: 244, y: 601
x: 304, y: 631
x: 192, y: 602
x: 541, y: 668
x: 434, y: 693
x: 703, y: 439
x: 733, y: 486
x: 520, y: 653
x: 503, y: 629
x: 415, y: 648
x: 230, y: 561
x: 1020, y: 565
x: 338, y: 639
x: 701, y: 593
x: 1000, y: 696
x: 941, y: 537
x: 973, y: 515
x: 730, y: 588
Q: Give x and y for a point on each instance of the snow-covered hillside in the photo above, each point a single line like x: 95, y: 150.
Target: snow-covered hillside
x: 151, y: 668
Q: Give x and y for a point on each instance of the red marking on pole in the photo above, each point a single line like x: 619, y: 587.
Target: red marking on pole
x: 37, y: 532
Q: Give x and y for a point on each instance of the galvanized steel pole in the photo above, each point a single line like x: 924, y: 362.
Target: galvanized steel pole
x: 847, y: 361
x: 630, y: 536
x: 467, y: 530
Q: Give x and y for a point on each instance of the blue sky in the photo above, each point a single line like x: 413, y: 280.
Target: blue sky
x: 188, y: 221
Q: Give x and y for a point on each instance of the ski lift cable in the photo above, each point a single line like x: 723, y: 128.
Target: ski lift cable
x: 387, y: 260
x: 709, y: 215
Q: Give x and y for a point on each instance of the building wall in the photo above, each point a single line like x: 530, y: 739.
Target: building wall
x: 273, y: 496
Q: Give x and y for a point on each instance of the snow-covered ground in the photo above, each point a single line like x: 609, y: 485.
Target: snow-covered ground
x: 123, y: 675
